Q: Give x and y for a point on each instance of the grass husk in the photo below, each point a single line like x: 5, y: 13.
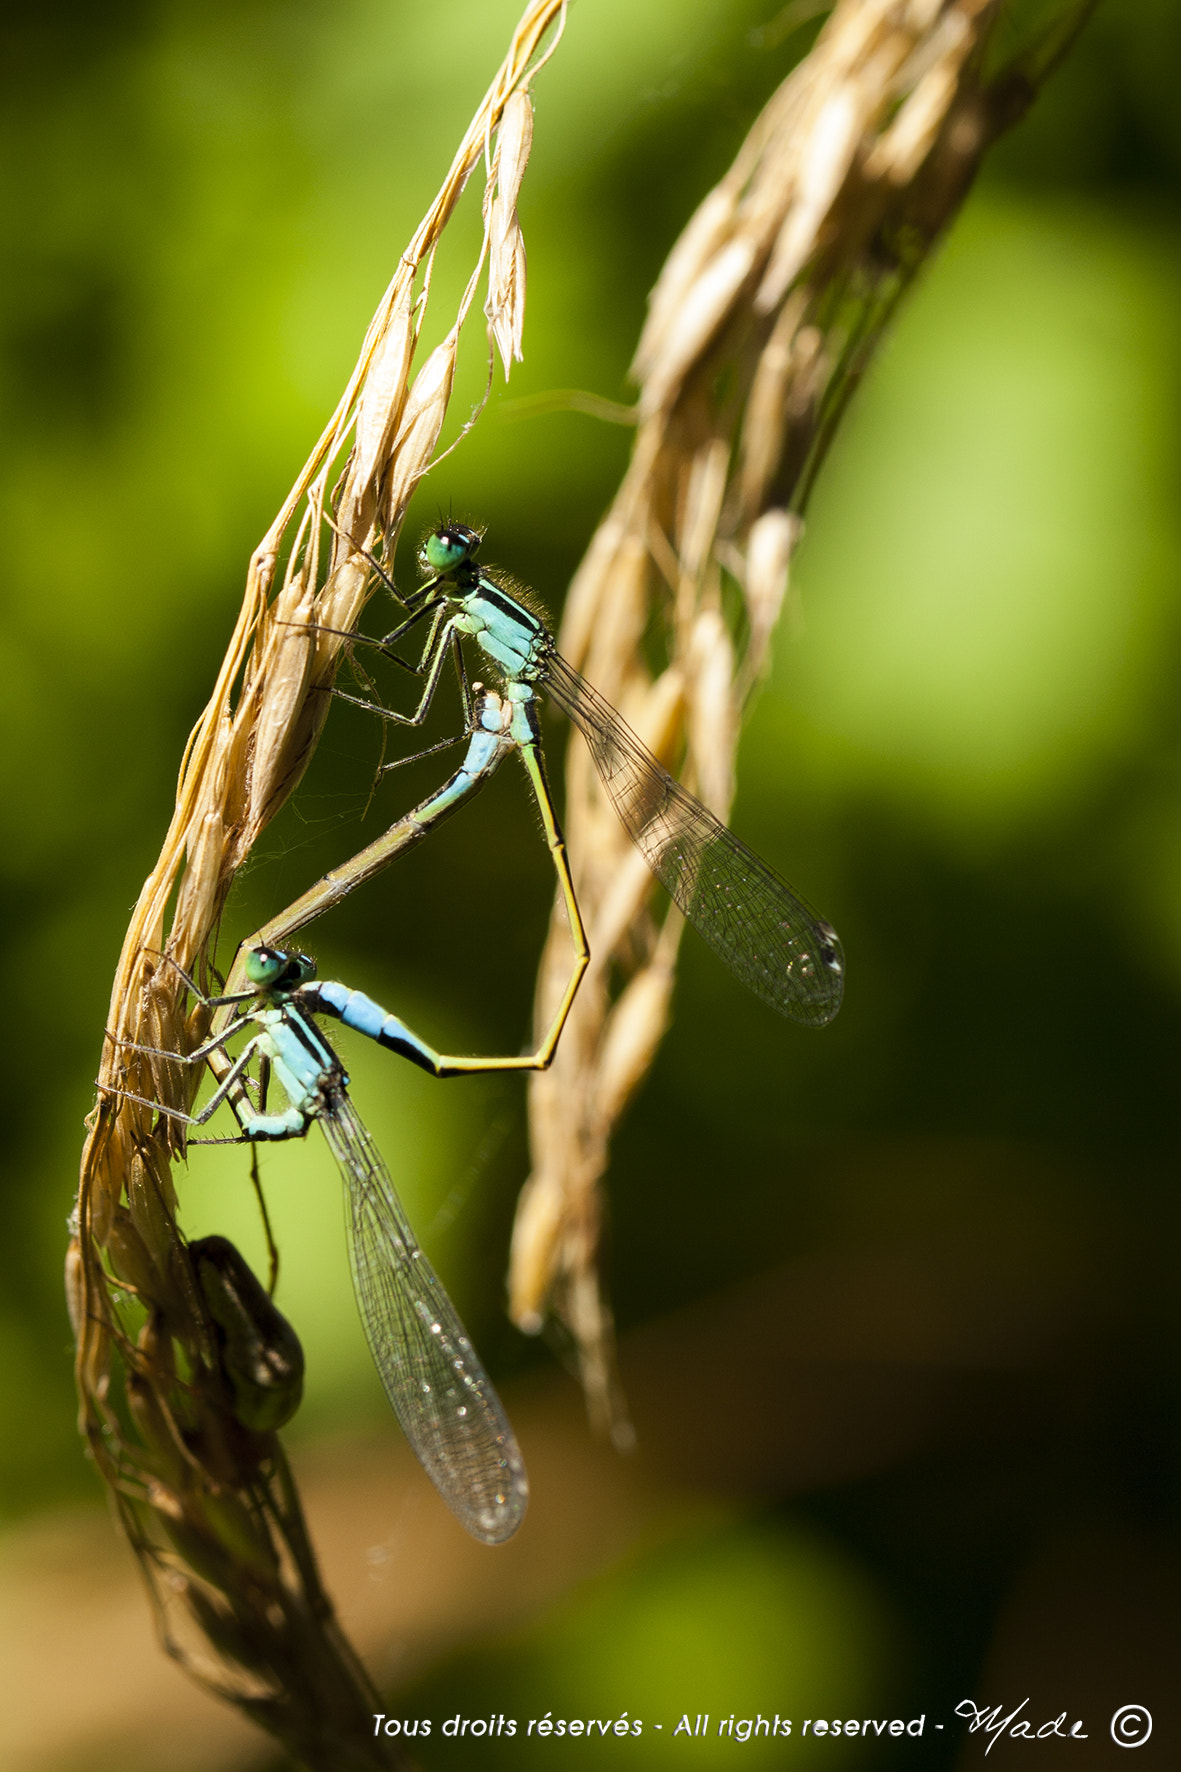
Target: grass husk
x: 767, y: 312
x: 207, y: 1504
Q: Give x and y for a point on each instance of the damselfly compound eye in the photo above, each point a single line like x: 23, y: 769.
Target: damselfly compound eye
x: 448, y: 548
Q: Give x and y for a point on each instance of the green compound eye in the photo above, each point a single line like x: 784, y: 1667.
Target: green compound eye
x: 266, y: 967
x: 448, y: 548
x: 263, y: 965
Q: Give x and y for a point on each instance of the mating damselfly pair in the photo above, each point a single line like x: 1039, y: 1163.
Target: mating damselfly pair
x: 766, y: 934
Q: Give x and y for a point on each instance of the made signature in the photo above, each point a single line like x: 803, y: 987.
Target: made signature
x: 1014, y: 1725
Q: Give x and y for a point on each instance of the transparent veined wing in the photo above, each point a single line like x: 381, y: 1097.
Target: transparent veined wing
x: 439, y: 1391
x: 752, y: 919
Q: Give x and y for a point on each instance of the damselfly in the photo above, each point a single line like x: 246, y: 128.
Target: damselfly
x: 433, y: 1377
x: 765, y: 933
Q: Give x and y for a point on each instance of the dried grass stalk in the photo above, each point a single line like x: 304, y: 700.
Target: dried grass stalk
x: 208, y: 1504
x: 759, y: 328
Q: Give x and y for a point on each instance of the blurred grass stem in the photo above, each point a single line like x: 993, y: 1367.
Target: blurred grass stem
x: 760, y: 327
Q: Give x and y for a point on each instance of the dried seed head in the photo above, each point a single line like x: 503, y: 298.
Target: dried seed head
x: 900, y: 152
x: 536, y: 1230
x: 130, y: 1252
x: 337, y: 608
x: 697, y: 520
x: 769, y: 550
x: 198, y: 896
x: 699, y: 317
x: 765, y: 421
x: 758, y: 327
x: 713, y: 717
x: 698, y: 245
x: 621, y: 900
x: 75, y: 1282
x: 422, y: 420
x: 382, y: 398
x: 191, y: 1482
x: 505, y: 307
x: 634, y: 1030
x: 823, y: 170
x: 606, y: 606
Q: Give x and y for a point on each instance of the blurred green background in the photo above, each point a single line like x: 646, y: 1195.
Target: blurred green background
x: 957, y: 1207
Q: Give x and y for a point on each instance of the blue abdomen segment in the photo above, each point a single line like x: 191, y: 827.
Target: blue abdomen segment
x: 267, y: 1128
x: 360, y: 1012
x: 523, y: 726
x: 488, y: 745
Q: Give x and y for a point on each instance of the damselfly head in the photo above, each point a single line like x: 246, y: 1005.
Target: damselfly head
x: 448, y: 548
x: 273, y: 969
